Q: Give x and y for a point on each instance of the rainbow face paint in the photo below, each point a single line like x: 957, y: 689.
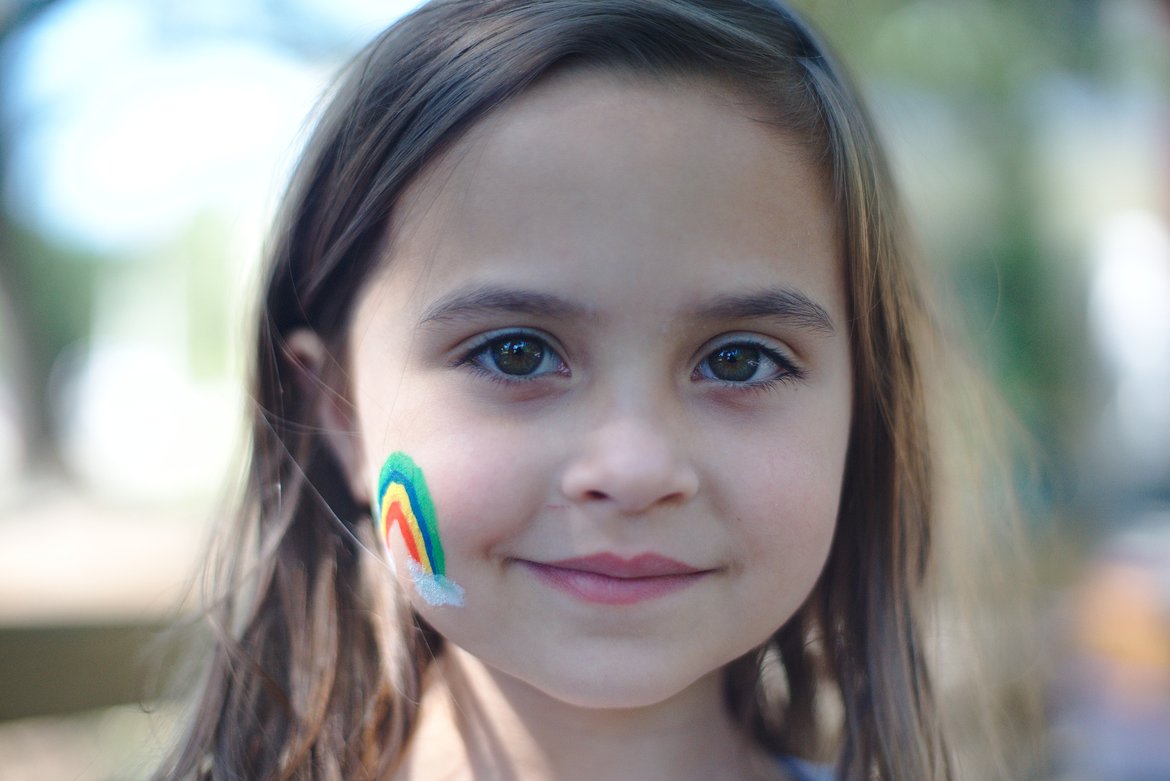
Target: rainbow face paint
x: 403, y: 501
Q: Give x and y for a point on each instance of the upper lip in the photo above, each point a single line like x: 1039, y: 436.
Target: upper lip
x: 646, y: 565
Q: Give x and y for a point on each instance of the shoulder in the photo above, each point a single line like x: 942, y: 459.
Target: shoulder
x: 801, y: 770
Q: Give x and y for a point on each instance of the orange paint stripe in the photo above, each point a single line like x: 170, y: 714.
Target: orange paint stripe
x: 394, y: 514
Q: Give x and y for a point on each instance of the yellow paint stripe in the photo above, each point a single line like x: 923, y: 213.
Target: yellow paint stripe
x: 397, y: 493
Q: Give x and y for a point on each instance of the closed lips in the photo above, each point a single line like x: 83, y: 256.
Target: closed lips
x: 647, y: 565
x: 609, y: 579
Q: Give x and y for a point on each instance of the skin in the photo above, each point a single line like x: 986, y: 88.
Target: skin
x: 638, y: 208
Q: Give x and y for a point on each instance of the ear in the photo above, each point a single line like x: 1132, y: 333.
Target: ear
x: 333, y: 413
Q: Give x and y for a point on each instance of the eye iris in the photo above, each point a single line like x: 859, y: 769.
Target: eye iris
x: 517, y: 356
x: 735, y: 363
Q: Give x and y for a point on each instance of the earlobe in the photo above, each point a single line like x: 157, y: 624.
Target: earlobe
x: 333, y: 412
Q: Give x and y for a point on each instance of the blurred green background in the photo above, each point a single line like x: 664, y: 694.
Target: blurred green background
x: 143, y: 144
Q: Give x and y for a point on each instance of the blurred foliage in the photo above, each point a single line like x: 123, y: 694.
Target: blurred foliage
x: 52, y: 301
x: 962, y: 46
x: 979, y: 60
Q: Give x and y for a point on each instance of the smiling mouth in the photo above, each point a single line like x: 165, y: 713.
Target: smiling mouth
x: 608, y: 579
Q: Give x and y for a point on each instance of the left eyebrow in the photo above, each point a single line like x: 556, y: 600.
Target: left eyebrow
x: 785, y: 304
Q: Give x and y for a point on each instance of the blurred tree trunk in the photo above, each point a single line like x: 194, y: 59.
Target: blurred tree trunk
x: 17, y: 320
x: 23, y: 346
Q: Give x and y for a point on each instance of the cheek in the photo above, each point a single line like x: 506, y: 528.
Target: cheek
x: 407, y: 522
x: 793, y: 519
x: 787, y: 498
x: 484, y: 483
x: 786, y: 535
x: 484, y: 489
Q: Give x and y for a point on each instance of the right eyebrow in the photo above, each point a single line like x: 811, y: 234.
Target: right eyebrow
x: 476, y: 302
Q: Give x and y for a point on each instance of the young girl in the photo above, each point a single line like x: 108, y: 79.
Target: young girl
x: 589, y: 438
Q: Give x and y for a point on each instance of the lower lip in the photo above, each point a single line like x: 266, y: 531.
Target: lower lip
x: 607, y: 590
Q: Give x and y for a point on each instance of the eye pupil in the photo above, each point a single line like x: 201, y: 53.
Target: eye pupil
x: 734, y: 363
x: 517, y: 356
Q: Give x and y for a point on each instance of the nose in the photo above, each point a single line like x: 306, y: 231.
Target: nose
x: 632, y: 465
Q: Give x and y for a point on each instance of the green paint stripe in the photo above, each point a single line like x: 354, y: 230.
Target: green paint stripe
x: 424, y: 508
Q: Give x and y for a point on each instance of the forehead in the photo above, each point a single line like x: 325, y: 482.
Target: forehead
x: 608, y: 175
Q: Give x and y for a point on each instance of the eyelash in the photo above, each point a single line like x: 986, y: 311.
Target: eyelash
x: 788, y: 370
x: 474, y: 356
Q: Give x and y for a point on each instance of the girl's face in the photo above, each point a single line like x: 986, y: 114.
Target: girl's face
x: 611, y: 333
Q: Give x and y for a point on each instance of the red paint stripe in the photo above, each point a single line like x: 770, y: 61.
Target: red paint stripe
x: 396, y: 516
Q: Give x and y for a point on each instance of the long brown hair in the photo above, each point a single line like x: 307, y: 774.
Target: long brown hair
x: 317, y: 665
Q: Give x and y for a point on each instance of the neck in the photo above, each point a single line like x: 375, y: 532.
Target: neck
x: 479, y: 723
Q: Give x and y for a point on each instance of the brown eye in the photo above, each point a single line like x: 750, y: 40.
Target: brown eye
x: 516, y: 355
x: 734, y: 363
x: 747, y: 364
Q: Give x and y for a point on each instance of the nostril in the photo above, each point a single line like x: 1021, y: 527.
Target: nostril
x: 592, y: 494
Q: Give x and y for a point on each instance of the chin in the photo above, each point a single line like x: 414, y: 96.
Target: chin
x: 596, y: 687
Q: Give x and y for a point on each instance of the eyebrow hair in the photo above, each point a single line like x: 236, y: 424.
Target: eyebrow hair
x: 779, y: 303
x: 469, y: 303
